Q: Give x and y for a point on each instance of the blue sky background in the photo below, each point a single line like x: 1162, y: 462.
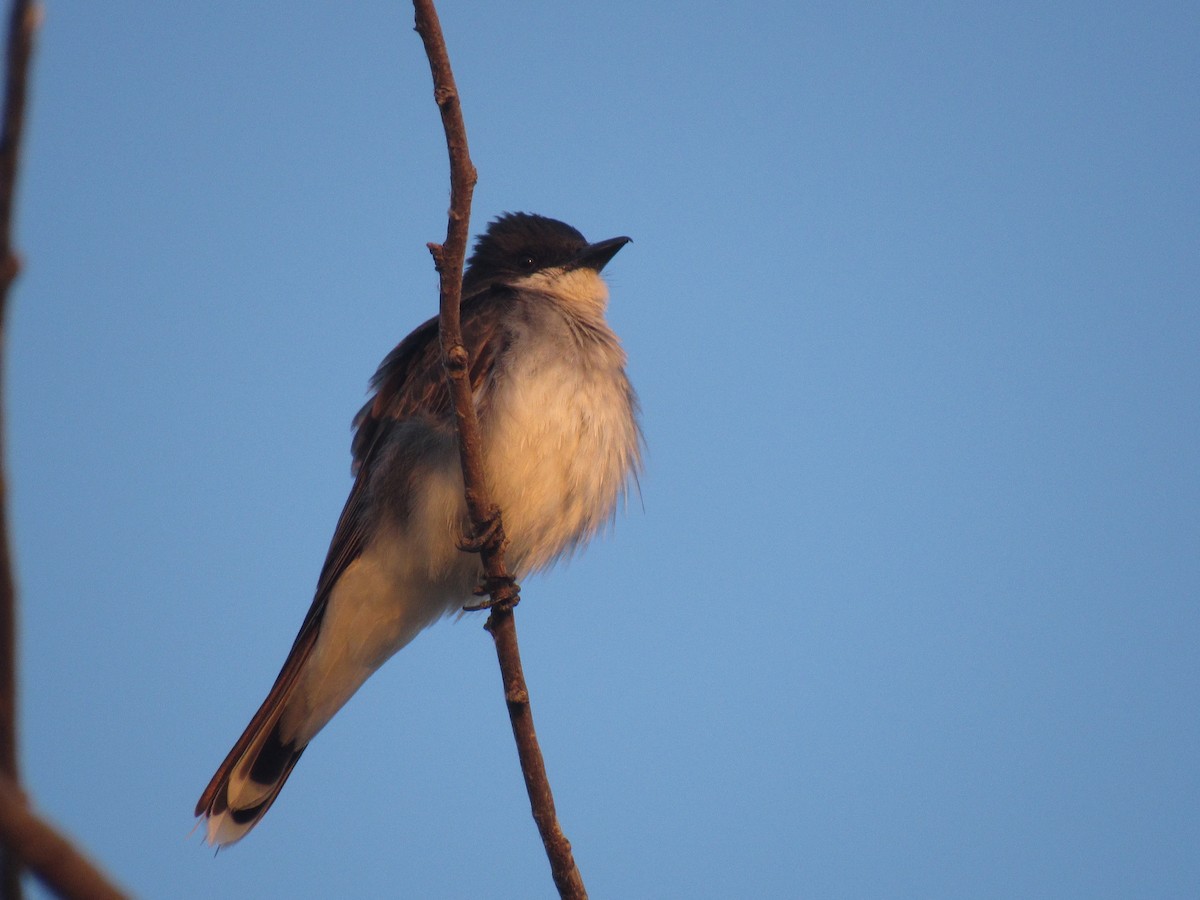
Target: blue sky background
x: 910, y: 606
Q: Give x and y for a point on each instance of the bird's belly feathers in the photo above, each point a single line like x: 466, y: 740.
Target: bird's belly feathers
x: 561, y: 443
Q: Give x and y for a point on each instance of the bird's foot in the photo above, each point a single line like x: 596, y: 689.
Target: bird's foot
x: 489, y: 537
x: 501, y: 592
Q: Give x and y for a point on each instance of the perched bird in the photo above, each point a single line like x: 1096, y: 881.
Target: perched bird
x: 561, y: 442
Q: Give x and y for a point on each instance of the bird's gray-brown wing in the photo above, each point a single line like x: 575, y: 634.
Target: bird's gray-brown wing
x: 409, y: 382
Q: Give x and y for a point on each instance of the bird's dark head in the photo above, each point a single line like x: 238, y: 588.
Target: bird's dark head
x: 518, y: 245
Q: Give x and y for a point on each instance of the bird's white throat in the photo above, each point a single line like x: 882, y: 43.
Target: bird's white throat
x: 581, y: 290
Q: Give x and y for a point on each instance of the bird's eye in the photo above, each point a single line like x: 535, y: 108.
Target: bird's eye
x: 526, y: 263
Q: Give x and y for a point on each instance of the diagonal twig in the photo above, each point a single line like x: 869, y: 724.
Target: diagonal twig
x: 50, y: 856
x: 486, y: 520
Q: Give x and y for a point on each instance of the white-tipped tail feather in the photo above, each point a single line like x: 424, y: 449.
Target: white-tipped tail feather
x: 378, y: 605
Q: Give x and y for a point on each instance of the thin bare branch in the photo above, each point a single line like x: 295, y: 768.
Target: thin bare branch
x: 22, y: 24
x: 49, y: 855
x: 566, y: 875
x: 486, y: 520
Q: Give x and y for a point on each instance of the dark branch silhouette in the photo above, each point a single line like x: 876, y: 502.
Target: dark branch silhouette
x: 21, y: 24
x: 27, y: 840
x: 486, y: 521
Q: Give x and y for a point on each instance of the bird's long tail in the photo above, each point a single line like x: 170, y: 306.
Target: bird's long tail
x: 255, y: 770
x: 350, y: 632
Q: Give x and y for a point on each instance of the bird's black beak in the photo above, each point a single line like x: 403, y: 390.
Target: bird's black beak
x: 596, y: 256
